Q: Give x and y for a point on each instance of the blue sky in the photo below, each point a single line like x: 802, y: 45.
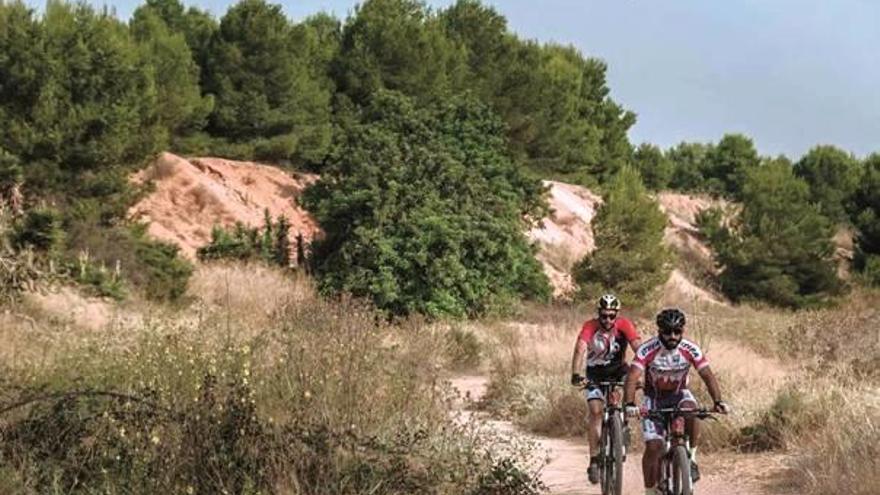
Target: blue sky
x: 788, y: 73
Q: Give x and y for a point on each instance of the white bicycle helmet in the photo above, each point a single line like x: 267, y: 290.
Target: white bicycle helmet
x: 609, y: 301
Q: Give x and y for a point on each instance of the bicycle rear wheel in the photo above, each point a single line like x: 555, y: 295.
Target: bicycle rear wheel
x: 681, y: 472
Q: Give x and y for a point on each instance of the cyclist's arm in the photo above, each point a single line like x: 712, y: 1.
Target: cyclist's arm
x: 632, y: 335
x: 577, y: 361
x: 629, y: 387
x: 635, y: 344
x: 711, y: 383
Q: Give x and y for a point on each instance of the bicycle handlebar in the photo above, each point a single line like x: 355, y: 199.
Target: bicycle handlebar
x: 588, y: 384
x: 701, y: 413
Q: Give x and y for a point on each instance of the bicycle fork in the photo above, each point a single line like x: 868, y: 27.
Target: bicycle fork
x: 677, y: 436
x: 624, y: 425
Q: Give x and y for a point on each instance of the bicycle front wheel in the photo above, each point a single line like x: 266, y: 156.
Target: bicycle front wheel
x: 605, y: 457
x: 681, y: 472
x: 615, y: 463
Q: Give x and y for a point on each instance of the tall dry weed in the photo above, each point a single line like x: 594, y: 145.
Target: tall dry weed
x: 287, y: 393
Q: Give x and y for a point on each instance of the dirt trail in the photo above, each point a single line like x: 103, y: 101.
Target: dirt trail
x: 723, y: 474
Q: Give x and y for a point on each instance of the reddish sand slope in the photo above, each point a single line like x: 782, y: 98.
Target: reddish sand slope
x: 193, y: 195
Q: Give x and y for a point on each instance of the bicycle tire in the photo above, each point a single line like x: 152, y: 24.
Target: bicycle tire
x: 605, y: 438
x: 616, y: 462
x: 681, y: 472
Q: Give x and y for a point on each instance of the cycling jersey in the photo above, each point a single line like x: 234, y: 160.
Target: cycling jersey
x: 605, y: 349
x: 666, y: 371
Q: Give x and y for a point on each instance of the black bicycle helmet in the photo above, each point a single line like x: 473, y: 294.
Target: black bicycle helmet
x: 671, y: 319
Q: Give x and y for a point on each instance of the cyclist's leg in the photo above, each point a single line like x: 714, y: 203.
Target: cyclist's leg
x: 652, y: 433
x: 651, y: 462
x: 595, y: 404
x: 692, y: 425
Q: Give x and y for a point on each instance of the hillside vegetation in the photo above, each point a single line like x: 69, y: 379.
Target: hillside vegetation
x: 86, y: 99
x: 417, y: 140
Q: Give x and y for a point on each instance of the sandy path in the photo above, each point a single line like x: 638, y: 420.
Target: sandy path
x: 723, y: 474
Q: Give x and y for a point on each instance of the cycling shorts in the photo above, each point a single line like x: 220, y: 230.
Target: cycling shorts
x: 654, y: 429
x: 615, y: 372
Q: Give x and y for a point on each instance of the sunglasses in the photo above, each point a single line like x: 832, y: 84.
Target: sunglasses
x: 671, y: 331
x: 607, y: 316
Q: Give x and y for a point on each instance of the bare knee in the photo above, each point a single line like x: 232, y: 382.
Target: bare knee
x: 595, y: 407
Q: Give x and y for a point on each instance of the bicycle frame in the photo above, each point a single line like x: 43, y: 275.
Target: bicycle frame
x: 613, y: 398
x: 675, y: 435
x: 612, y: 456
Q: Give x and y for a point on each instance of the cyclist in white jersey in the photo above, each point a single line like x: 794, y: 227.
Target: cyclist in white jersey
x: 665, y: 360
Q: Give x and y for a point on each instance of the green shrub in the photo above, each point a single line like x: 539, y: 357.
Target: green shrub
x: 871, y: 270
x: 793, y: 414
x: 424, y: 212
x: 270, y: 243
x: 40, y: 229
x: 232, y: 150
x: 166, y: 273
x: 97, y: 278
x: 11, y: 172
x: 195, y: 144
x: 134, y: 260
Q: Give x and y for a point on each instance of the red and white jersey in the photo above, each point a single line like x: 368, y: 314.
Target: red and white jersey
x: 666, y: 371
x: 606, y: 348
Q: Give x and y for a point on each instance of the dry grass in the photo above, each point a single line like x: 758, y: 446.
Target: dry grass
x: 280, y: 393
x: 529, y: 368
x: 252, y: 294
x: 839, y: 351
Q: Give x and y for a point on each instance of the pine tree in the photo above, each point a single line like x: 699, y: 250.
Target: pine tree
x: 266, y: 94
x: 779, y: 248
x: 181, y: 109
x: 267, y: 238
x: 653, y: 166
x: 729, y: 162
x: 833, y: 176
x: 865, y: 214
x: 630, y: 258
x: 301, y: 261
x: 689, y: 167
x: 282, y: 242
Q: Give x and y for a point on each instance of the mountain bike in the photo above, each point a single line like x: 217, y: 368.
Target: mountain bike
x: 675, y: 463
x: 614, y: 437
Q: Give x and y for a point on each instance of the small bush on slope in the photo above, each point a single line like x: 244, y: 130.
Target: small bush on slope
x: 270, y: 244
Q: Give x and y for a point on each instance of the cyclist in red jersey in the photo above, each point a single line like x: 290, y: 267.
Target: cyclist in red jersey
x: 599, y: 351
x: 665, y: 360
